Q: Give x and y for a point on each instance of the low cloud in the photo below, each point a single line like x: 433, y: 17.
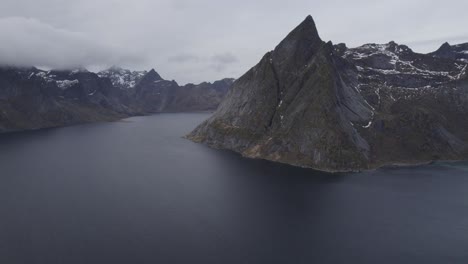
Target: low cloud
x: 30, y: 42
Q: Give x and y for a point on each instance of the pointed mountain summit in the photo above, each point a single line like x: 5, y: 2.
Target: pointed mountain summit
x: 445, y: 46
x: 454, y: 52
x: 444, y: 51
x: 299, y: 45
x: 149, y: 79
x: 153, y: 75
x: 311, y: 104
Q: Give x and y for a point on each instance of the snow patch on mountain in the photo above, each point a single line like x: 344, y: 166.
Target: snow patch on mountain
x: 122, y: 78
x: 65, y: 84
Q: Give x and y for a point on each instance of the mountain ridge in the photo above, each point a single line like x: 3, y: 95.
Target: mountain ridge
x: 31, y: 98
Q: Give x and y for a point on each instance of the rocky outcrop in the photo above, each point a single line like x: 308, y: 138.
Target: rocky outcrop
x: 314, y: 104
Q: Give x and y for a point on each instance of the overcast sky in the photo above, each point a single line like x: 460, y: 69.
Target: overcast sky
x: 205, y: 40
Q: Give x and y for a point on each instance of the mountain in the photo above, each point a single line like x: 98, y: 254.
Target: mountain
x: 157, y: 95
x: 313, y: 104
x: 31, y: 98
x: 200, y: 97
x: 151, y: 93
x: 456, y: 52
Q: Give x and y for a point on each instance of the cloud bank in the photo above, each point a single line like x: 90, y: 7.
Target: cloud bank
x: 29, y: 42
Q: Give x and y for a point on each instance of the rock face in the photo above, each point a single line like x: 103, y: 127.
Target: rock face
x: 31, y: 98
x: 314, y: 104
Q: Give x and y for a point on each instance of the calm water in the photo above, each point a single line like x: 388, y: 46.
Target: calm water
x: 136, y: 192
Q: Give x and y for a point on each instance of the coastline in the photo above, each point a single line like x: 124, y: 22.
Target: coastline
x: 372, y: 167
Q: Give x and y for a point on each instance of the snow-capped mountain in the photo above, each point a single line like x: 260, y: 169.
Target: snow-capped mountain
x: 396, y: 72
x: 122, y: 78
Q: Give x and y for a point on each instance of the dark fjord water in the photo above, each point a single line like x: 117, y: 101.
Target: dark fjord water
x: 136, y: 192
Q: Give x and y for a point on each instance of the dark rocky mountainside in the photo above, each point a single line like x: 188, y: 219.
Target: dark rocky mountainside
x: 31, y: 98
x: 157, y: 95
x: 456, y: 52
x: 314, y: 104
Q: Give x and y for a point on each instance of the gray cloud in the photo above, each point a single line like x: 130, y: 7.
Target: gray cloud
x: 180, y: 37
x: 27, y: 42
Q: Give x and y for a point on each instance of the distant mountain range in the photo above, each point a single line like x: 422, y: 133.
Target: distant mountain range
x: 31, y: 98
x: 314, y: 104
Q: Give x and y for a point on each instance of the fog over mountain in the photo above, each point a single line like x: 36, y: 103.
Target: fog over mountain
x: 194, y: 41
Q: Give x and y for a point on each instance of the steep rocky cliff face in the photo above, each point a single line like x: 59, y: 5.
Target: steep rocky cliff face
x: 31, y: 98
x: 314, y: 104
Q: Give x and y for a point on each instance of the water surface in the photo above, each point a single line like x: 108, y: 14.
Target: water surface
x: 137, y: 192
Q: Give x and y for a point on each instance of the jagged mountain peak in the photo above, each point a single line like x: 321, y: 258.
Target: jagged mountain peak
x: 299, y: 45
x: 153, y: 75
x: 444, y: 50
x: 458, y: 52
x: 445, y: 45
x: 312, y: 104
x: 308, y: 25
x: 149, y: 80
x: 306, y: 31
